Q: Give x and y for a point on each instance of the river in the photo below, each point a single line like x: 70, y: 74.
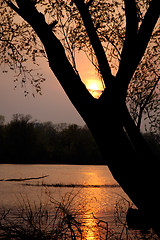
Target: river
x: 93, y: 187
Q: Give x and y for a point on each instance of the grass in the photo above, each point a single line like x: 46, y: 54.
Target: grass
x: 62, y: 185
x: 46, y: 220
x: 50, y: 219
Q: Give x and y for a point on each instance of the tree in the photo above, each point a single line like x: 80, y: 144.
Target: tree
x: 20, y: 140
x: 115, y: 35
x: 143, y: 93
x: 2, y: 120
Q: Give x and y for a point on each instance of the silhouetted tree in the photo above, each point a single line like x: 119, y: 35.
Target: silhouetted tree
x: 20, y: 138
x: 2, y: 136
x: 26, y: 141
x: 115, y: 36
x: 2, y: 120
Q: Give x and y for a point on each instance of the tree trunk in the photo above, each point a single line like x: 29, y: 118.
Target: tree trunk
x: 124, y: 149
x: 133, y: 167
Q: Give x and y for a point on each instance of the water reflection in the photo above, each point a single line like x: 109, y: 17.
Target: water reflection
x: 89, y: 203
x: 94, y: 228
x: 91, y: 206
x: 90, y: 227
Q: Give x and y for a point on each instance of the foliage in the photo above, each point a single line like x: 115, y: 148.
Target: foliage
x: 19, y: 44
x: 26, y: 141
x: 64, y: 219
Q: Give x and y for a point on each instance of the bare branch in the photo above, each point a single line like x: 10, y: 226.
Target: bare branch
x: 13, y: 6
x: 136, y: 44
x: 89, y: 3
x: 129, y: 44
x: 131, y: 31
x: 131, y: 20
x: 145, y: 103
x: 57, y: 58
x: 95, y: 42
x: 146, y: 28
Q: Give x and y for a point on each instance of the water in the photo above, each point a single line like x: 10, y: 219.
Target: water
x: 58, y: 174
x: 98, y: 198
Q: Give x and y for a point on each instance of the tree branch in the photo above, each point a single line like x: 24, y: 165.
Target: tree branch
x: 135, y: 43
x: 145, y: 103
x: 95, y: 42
x: 131, y: 30
x: 131, y: 20
x: 58, y: 62
x: 130, y: 38
x: 146, y: 29
x: 13, y: 7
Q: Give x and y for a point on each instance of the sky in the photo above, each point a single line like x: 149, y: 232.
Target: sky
x: 54, y: 104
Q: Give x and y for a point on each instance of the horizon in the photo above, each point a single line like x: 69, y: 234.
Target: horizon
x: 53, y: 105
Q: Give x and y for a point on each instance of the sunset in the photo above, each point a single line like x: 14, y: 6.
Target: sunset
x: 79, y: 119
x: 94, y: 87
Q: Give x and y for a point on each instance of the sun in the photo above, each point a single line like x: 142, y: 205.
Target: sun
x: 94, y: 87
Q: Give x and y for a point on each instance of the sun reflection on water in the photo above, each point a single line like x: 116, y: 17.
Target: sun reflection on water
x: 90, y: 227
x: 93, y: 227
x: 82, y: 208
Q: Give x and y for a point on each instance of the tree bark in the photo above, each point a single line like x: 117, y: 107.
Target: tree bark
x: 135, y: 171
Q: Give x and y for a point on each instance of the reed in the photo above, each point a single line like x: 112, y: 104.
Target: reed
x: 45, y: 220
x: 50, y: 219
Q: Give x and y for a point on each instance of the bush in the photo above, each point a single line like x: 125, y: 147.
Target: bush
x: 47, y: 220
x: 50, y: 219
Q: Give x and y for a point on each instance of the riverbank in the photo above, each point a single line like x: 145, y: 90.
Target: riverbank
x: 26, y: 141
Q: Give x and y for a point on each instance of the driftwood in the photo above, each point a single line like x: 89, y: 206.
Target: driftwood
x: 23, y: 179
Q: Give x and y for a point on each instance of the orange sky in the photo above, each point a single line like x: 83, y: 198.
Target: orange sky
x: 89, y: 75
x: 53, y: 105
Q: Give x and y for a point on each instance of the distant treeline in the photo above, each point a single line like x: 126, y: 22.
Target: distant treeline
x: 23, y: 140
